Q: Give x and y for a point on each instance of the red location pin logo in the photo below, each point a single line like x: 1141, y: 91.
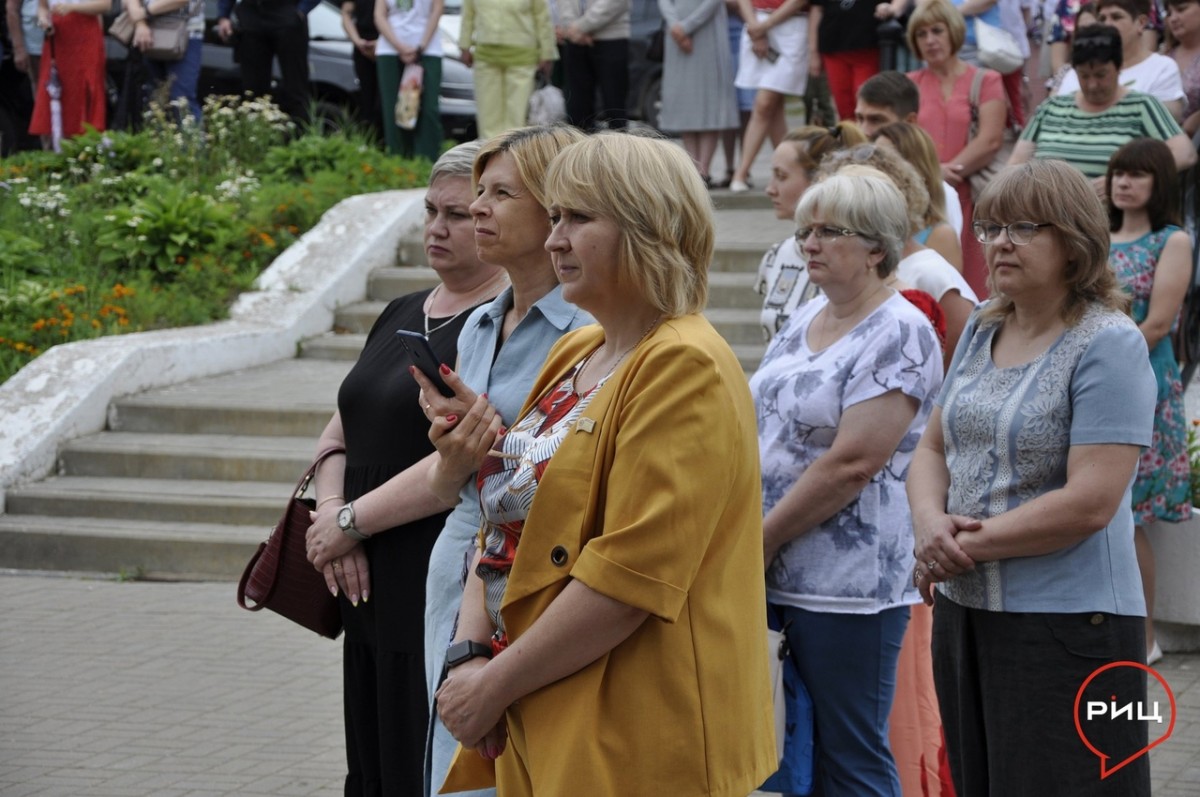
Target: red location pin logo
x: 1116, y: 711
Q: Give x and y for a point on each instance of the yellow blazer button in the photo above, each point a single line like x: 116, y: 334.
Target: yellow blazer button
x: 1097, y: 619
x: 558, y: 556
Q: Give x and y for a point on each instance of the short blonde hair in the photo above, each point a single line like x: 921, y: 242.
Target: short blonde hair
x: 868, y: 203
x: 1051, y: 192
x: 532, y: 149
x: 935, y: 12
x: 650, y: 189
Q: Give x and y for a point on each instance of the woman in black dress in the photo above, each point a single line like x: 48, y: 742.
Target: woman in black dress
x: 378, y: 493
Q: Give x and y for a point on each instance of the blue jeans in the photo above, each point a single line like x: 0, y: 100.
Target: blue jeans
x: 848, y: 663
x: 183, y: 76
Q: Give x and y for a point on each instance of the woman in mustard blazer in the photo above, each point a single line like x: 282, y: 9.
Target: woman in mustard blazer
x: 611, y: 637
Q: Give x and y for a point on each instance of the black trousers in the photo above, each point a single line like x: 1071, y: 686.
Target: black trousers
x: 1006, y: 685
x: 368, y: 93
x: 602, y: 67
x: 260, y: 44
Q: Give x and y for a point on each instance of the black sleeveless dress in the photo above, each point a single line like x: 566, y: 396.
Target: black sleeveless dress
x: 384, y: 666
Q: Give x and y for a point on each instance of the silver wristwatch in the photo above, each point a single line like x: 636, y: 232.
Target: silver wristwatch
x: 345, y: 521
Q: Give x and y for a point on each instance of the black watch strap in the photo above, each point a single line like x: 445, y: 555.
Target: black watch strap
x: 464, y: 651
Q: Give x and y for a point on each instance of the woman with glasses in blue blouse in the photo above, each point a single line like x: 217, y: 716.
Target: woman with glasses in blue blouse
x: 1020, y: 495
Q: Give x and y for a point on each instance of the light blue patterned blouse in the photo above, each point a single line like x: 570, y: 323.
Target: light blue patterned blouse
x: 860, y: 560
x: 1008, y: 432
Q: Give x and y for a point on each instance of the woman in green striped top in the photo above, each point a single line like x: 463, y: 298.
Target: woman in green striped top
x: 1087, y: 127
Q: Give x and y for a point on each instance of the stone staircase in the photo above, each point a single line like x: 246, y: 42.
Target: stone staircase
x: 187, y: 480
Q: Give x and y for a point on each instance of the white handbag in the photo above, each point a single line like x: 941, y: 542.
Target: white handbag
x: 998, y: 49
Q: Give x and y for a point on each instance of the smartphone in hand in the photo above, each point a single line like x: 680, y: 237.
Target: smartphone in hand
x: 772, y: 55
x: 420, y: 353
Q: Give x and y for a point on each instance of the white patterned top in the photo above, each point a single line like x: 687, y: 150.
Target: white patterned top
x: 860, y: 560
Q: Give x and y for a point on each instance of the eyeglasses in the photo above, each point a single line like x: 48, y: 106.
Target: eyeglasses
x: 1019, y: 232
x: 824, y: 233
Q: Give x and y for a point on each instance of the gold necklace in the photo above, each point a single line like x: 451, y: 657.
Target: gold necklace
x: 470, y: 304
x: 588, y: 359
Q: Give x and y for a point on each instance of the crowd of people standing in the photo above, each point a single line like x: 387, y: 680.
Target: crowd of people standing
x: 924, y: 327
x: 556, y: 568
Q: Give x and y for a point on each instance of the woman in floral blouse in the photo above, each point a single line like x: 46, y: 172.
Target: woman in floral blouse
x: 842, y: 396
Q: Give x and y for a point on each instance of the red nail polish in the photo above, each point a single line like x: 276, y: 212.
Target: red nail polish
x: 445, y: 369
x: 412, y: 370
x: 484, y: 395
x: 451, y: 418
x: 503, y: 431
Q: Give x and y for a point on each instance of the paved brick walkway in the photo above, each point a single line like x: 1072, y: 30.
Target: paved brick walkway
x: 170, y: 690
x: 130, y: 689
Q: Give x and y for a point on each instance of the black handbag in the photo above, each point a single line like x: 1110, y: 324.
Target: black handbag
x: 279, y: 576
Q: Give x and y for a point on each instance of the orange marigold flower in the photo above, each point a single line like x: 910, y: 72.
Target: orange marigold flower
x: 267, y: 240
x: 39, y: 325
x: 123, y: 321
x: 95, y: 323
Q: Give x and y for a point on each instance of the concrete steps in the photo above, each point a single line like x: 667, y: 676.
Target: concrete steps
x: 134, y: 548
x: 187, y: 481
x: 242, y: 503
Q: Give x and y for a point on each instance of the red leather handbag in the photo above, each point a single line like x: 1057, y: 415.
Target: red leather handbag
x: 279, y: 576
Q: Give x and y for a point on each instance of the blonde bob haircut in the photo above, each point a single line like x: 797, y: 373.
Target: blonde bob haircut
x: 1051, y: 192
x: 650, y: 189
x: 936, y: 12
x: 866, y: 202
x: 532, y: 149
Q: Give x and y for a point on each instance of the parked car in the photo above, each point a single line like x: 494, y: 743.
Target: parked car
x: 333, y: 84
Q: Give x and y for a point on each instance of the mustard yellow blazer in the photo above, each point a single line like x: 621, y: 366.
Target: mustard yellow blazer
x: 655, y: 496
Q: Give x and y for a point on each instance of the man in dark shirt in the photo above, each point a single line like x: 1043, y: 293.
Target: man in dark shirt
x: 270, y: 29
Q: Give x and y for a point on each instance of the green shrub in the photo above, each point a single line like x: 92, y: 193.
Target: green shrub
x: 124, y: 232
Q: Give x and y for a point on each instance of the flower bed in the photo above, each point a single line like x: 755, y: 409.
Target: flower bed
x: 163, y: 228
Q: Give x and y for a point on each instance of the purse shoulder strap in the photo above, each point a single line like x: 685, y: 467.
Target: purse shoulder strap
x: 973, y: 104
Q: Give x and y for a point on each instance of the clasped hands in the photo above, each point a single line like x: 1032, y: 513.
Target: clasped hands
x: 340, y: 559
x: 571, y: 33
x: 939, y: 555
x: 473, y: 715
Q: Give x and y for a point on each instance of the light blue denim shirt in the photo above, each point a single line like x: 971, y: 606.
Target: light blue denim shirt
x: 506, y: 376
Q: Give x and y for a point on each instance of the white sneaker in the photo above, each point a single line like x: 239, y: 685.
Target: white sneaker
x: 739, y: 186
x: 1155, y: 653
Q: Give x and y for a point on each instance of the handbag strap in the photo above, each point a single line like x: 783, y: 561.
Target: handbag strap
x: 275, y: 541
x: 973, y: 104
x: 302, y: 485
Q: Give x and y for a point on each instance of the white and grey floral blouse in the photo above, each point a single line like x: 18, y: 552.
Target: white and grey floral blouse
x: 860, y: 560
